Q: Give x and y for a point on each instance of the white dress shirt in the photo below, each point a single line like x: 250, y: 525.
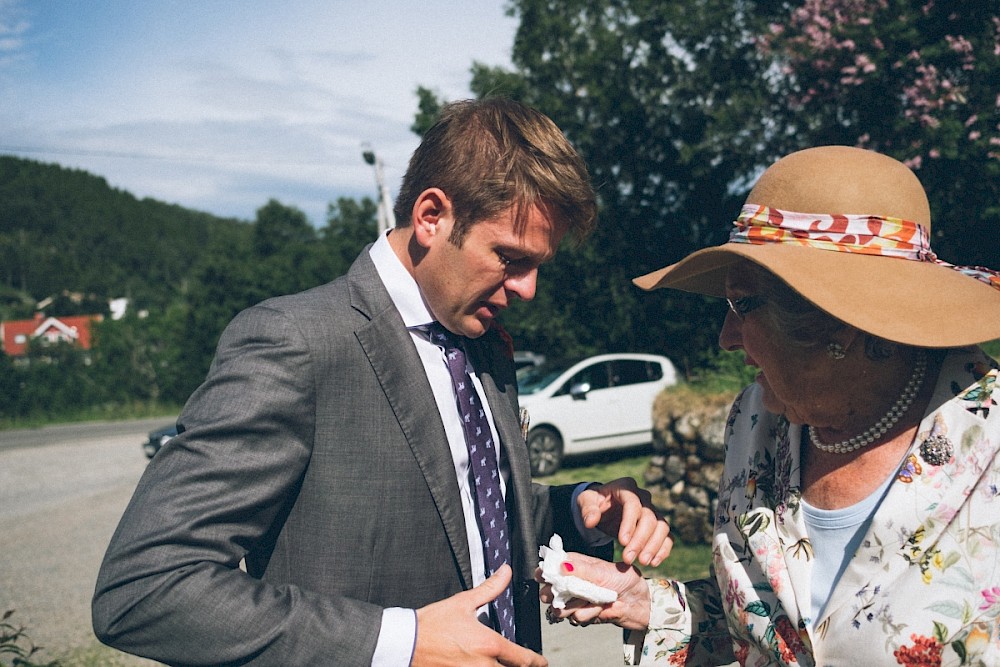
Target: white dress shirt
x: 398, y: 634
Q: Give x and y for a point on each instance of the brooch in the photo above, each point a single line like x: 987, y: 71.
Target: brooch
x: 936, y: 450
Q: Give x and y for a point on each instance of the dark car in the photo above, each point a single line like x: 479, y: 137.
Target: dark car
x: 527, y: 359
x: 157, y: 439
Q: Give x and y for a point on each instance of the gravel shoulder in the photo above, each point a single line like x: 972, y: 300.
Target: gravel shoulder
x: 59, y: 505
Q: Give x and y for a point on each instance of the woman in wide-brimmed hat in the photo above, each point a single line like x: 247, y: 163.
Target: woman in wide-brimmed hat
x: 858, y: 516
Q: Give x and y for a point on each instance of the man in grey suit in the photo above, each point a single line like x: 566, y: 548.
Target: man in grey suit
x: 325, y: 452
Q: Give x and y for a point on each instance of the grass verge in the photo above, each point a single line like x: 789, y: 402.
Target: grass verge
x: 137, y: 410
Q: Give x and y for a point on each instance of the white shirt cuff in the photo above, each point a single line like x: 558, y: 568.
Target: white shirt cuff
x: 397, y: 638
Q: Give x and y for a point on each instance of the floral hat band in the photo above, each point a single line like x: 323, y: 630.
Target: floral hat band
x: 861, y: 234
x: 915, y: 299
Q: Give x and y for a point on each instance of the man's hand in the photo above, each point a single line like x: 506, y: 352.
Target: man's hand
x: 623, y: 510
x: 629, y: 611
x: 449, y: 633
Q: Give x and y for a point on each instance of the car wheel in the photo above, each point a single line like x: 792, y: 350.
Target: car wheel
x: 545, y: 450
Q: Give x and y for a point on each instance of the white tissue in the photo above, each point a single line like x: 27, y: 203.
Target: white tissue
x: 566, y: 586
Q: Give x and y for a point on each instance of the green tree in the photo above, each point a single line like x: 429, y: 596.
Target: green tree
x: 677, y: 107
x: 67, y: 230
x: 55, y: 380
x: 915, y: 80
x: 278, y: 227
x: 428, y: 109
x: 351, y: 224
x: 224, y: 283
x: 124, y: 358
x: 10, y: 386
x: 283, y: 255
x: 655, y: 97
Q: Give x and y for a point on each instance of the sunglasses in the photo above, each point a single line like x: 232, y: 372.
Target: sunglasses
x: 745, y: 304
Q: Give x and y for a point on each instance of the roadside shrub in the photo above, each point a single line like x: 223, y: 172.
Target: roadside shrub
x: 16, y: 646
x: 723, y: 372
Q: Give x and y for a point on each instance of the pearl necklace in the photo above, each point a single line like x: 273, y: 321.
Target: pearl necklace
x: 883, y: 425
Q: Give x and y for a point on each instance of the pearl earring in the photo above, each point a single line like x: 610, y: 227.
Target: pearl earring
x: 836, y: 351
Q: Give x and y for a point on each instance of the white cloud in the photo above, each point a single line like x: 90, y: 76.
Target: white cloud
x: 222, y: 106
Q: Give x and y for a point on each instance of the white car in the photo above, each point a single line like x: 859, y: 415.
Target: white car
x: 602, y: 402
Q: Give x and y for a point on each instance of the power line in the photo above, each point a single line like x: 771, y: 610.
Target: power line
x: 83, y: 152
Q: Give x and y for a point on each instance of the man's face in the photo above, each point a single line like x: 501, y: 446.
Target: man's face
x: 467, y: 286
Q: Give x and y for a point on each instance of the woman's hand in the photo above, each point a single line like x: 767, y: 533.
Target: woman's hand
x: 629, y: 611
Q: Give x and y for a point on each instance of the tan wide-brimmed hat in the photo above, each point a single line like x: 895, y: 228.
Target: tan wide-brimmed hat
x: 848, y: 229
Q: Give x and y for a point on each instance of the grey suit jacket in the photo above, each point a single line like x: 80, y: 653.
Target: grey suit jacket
x: 314, y: 451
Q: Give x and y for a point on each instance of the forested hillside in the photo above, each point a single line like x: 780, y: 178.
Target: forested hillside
x: 64, y: 229
x: 187, y: 273
x: 677, y: 107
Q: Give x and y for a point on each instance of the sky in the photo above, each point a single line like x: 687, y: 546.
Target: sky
x: 221, y: 105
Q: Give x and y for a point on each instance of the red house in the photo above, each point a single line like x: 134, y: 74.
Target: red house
x: 74, y: 329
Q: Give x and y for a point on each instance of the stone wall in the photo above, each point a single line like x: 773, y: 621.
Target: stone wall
x: 684, y: 472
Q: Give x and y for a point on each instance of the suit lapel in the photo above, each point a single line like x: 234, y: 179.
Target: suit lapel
x: 393, y: 358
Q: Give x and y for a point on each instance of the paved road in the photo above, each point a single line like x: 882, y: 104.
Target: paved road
x: 62, y: 490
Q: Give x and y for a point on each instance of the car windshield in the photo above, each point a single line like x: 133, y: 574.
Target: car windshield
x: 532, y: 379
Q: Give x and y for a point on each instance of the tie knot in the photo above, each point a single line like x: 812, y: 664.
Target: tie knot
x: 441, y: 336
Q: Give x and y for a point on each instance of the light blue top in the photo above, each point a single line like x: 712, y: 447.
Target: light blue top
x: 835, y: 536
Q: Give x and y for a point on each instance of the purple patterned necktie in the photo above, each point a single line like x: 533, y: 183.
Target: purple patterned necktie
x: 483, y: 459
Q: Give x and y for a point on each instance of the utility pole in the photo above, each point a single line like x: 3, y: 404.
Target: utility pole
x: 386, y: 218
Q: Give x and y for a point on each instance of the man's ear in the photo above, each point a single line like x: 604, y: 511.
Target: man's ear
x: 432, y: 216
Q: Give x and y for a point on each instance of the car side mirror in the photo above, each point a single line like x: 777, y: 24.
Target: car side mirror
x: 579, y: 391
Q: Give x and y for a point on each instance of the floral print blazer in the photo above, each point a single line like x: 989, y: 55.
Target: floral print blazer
x: 923, y: 587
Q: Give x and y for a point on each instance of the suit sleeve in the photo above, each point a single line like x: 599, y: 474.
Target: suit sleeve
x: 171, y: 587
x: 554, y: 514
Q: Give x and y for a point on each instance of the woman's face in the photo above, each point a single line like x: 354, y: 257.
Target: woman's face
x: 797, y: 382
